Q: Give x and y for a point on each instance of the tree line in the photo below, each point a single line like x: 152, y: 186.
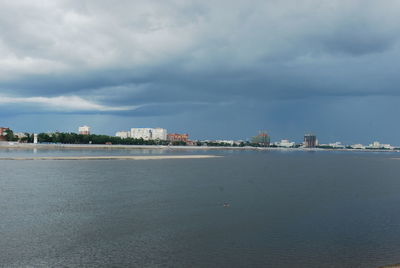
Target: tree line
x: 74, y: 138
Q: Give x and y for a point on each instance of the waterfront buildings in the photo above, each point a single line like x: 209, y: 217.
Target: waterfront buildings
x: 178, y: 137
x: 310, y: 141
x: 378, y: 145
x: 149, y: 133
x: 84, y: 130
x: 123, y: 134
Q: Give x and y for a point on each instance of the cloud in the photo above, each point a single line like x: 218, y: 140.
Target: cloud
x: 158, y: 58
x: 63, y: 103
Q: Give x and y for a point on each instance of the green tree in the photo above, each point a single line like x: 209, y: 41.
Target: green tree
x: 10, y: 136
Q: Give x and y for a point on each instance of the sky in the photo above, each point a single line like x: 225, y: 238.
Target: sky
x: 213, y: 69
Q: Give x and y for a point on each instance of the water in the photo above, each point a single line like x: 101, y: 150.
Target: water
x: 287, y: 209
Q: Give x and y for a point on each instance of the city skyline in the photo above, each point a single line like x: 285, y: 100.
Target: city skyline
x: 310, y: 140
x: 223, y: 69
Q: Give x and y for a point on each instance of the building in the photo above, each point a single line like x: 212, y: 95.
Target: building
x: 3, y: 133
x: 149, y: 133
x: 123, y: 134
x: 20, y: 135
x: 375, y: 145
x: 310, y: 141
x: 159, y: 134
x: 388, y: 147
x: 178, y: 137
x: 357, y: 146
x: 285, y: 143
x: 262, y: 139
x: 84, y: 130
x: 336, y: 145
x: 229, y: 142
x: 141, y: 133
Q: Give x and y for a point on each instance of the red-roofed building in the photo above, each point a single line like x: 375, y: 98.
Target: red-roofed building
x: 178, y: 137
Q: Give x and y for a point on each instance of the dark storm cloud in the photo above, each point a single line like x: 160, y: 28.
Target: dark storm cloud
x: 161, y: 57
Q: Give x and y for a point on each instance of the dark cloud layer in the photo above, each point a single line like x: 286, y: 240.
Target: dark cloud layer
x: 152, y: 61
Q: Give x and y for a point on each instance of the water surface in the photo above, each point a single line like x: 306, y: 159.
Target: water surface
x: 287, y: 209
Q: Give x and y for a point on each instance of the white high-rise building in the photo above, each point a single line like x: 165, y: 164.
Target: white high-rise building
x: 141, y: 133
x: 84, y: 130
x: 149, y: 133
x: 159, y: 134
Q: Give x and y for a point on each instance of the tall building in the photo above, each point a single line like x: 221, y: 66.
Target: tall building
x: 84, y: 130
x: 149, y: 133
x: 310, y: 140
x: 159, y: 134
x: 178, y: 137
x: 262, y: 139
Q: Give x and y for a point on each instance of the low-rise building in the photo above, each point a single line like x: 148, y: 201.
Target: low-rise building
x: 357, y: 146
x: 230, y: 142
x: 178, y: 137
x: 337, y: 145
x: 285, y: 143
x: 388, y: 146
x: 20, y: 135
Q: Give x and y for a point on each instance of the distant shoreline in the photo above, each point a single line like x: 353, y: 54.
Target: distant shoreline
x: 113, y: 157
x: 11, y: 145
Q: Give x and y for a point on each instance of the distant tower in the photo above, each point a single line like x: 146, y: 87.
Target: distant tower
x: 310, y: 140
x: 84, y: 130
x: 35, y: 138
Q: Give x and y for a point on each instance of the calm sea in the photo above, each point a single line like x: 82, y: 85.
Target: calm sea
x: 286, y: 209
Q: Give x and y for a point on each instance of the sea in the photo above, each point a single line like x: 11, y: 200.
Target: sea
x: 280, y: 208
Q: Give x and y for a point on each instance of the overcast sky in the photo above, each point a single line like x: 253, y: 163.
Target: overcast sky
x: 215, y: 69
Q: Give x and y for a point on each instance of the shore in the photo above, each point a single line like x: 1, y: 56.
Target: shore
x: 16, y: 145
x: 45, y: 146
x: 113, y: 157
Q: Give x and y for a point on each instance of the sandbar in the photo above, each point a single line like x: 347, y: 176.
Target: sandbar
x: 112, y: 157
